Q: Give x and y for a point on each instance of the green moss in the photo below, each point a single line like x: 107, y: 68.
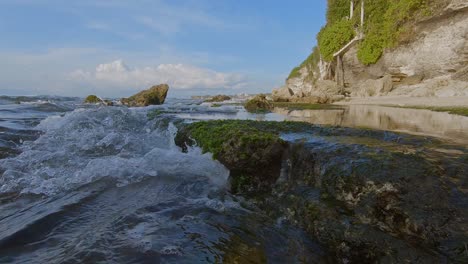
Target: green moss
x: 251, y: 152
x: 216, y: 105
x: 92, y: 99
x: 211, y: 135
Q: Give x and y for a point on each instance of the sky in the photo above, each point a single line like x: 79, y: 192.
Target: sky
x: 116, y: 48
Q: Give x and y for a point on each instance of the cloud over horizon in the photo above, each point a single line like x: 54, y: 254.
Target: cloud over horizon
x: 179, y: 76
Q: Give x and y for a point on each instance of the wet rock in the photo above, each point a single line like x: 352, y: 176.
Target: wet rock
x: 155, y: 95
x: 367, y: 196
x: 352, y: 198
x: 252, y: 154
x: 258, y: 104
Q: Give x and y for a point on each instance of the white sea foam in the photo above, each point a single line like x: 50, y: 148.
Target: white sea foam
x: 87, y: 145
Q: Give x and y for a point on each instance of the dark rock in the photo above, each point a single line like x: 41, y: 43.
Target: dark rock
x: 156, y: 95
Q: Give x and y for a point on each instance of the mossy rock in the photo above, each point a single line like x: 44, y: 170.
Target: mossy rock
x: 155, y: 95
x: 92, y: 99
x: 252, y: 155
x: 258, y: 104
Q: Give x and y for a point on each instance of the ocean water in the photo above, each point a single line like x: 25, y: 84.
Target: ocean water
x: 93, y: 184
x: 90, y: 184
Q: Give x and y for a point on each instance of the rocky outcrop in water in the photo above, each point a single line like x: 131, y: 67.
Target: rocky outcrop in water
x: 253, y: 154
x: 155, y: 95
x: 218, y: 98
x: 258, y: 104
x: 92, y: 99
x: 367, y: 196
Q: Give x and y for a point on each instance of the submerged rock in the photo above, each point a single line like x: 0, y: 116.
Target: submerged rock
x: 155, y: 95
x: 258, y: 104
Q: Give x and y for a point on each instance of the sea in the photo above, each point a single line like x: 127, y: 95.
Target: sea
x: 107, y: 184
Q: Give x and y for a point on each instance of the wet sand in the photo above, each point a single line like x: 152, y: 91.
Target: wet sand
x: 409, y: 101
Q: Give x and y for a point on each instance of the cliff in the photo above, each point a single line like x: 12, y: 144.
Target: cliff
x: 396, y: 48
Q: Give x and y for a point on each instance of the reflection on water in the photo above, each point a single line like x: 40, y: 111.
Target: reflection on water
x: 413, y: 121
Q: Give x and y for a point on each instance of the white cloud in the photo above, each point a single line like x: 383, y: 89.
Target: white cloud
x: 179, y: 76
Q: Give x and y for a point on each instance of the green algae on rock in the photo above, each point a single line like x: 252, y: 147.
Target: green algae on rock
x: 252, y: 155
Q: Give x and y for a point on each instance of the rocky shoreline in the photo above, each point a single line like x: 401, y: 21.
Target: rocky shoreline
x: 367, y: 196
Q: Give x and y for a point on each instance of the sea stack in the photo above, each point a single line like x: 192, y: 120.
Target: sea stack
x: 155, y: 95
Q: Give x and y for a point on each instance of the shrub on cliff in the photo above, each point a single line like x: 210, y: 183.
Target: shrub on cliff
x: 385, y: 21
x: 333, y: 37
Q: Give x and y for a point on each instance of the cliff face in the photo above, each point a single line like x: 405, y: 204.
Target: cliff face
x: 430, y: 59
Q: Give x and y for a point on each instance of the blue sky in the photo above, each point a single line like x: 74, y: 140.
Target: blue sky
x: 115, y: 47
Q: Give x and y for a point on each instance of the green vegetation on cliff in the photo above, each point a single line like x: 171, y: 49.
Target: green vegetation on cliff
x: 332, y: 38
x: 386, y: 24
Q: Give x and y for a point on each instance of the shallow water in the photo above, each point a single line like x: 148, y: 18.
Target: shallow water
x: 413, y: 121
x: 85, y: 184
x: 108, y: 185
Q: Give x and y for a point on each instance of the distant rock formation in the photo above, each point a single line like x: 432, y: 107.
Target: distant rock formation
x: 155, y: 95
x: 258, y: 103
x: 92, y: 99
x: 218, y: 98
